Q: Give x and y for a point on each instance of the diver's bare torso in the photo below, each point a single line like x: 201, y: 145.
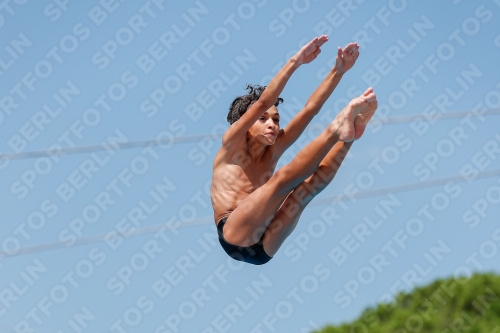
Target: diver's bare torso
x: 235, y: 176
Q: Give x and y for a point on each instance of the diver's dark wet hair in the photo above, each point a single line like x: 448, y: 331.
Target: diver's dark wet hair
x: 242, y: 103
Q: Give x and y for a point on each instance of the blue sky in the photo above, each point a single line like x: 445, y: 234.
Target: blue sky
x: 83, y: 74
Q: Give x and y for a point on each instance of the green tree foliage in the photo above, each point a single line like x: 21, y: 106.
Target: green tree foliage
x: 469, y: 305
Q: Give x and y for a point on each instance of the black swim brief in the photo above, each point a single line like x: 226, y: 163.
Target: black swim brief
x: 254, y: 254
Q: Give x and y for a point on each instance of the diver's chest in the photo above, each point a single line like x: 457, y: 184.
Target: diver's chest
x: 259, y: 174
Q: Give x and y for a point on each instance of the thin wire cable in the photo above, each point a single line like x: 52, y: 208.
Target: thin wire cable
x: 102, y: 237
x: 407, y: 187
x: 103, y: 147
x: 442, y: 116
x: 197, y: 138
x: 208, y: 219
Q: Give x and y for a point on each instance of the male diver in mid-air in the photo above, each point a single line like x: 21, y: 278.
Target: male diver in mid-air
x: 256, y: 209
